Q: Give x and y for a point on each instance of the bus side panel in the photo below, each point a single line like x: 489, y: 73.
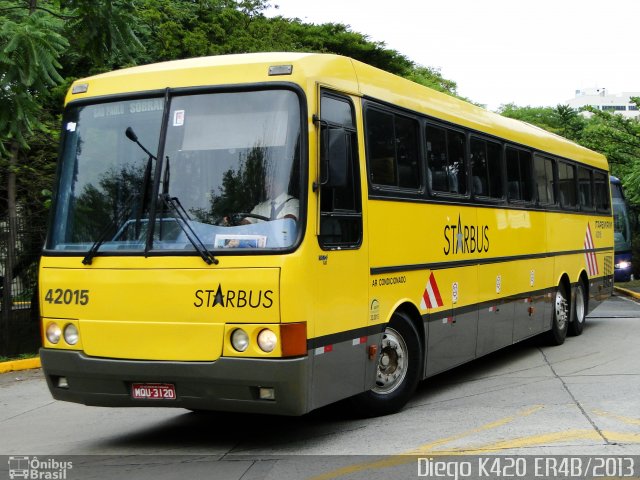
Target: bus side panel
x: 342, y: 370
x: 453, y: 330
x: 495, y: 315
x: 532, y: 308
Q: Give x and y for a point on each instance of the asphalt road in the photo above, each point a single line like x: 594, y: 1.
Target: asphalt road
x: 581, y: 398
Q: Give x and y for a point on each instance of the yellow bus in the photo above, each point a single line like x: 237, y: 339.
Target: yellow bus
x: 275, y: 232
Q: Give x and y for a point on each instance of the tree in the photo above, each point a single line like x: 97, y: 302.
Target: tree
x: 561, y: 120
x: 103, y: 35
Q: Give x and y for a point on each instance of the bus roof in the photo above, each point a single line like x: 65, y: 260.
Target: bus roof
x: 343, y: 73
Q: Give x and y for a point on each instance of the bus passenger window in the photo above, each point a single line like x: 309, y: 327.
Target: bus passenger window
x: 567, y: 185
x: 381, y: 148
x: 486, y: 168
x: 543, y: 168
x: 446, y: 155
x: 408, y: 152
x: 392, y: 149
x: 456, y: 145
x: 519, y: 175
x: 601, y: 184
x: 584, y: 189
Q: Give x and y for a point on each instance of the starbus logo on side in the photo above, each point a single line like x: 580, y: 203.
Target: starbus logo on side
x: 462, y: 238
x: 233, y: 298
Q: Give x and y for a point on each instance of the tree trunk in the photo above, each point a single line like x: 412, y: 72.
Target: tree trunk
x: 11, y: 238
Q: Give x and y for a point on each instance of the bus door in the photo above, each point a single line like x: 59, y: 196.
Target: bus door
x: 342, y: 271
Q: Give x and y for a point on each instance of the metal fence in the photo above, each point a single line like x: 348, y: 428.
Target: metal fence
x: 20, y: 246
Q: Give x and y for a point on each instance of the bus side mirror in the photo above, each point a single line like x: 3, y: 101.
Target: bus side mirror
x: 334, y: 158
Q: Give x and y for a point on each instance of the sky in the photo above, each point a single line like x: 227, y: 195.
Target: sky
x: 531, y: 53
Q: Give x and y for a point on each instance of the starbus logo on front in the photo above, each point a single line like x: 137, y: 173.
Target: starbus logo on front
x: 231, y: 298
x: 33, y: 468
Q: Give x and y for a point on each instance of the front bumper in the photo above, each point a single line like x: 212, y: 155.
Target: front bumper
x: 227, y: 384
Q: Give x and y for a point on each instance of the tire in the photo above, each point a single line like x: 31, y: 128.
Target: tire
x: 576, y: 326
x: 560, y: 323
x: 398, y: 370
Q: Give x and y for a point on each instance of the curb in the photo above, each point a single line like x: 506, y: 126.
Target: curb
x: 625, y: 291
x: 15, y: 365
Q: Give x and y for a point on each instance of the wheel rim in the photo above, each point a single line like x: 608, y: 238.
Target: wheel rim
x: 562, y: 310
x: 392, y: 363
x: 580, y: 313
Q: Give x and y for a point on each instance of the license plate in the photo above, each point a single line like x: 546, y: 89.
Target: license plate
x: 153, y: 391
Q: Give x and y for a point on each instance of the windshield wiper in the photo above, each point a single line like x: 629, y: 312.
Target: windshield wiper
x: 146, y: 179
x: 182, y: 219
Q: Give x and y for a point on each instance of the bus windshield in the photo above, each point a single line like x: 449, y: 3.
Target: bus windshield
x: 229, y: 174
x: 621, y: 227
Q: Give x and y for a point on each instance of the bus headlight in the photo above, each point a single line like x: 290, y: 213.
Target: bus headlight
x: 239, y: 340
x: 623, y: 264
x: 53, y: 332
x: 267, y: 340
x: 71, y: 335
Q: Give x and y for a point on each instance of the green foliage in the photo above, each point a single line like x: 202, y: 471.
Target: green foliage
x: 561, y: 120
x: 102, y: 33
x: 30, y: 45
x: 432, y: 78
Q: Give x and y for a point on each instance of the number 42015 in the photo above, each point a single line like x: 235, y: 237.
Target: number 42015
x: 61, y: 296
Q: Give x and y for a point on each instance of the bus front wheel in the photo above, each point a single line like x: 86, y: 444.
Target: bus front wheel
x: 398, y: 369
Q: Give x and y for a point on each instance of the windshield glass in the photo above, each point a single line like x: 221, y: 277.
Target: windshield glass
x: 621, y: 230
x: 230, y: 174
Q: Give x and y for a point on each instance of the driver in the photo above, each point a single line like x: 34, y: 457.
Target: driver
x: 279, y: 204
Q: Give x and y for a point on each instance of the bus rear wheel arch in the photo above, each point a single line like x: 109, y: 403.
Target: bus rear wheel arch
x: 398, y: 370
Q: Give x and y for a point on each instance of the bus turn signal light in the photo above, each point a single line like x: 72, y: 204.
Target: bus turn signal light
x: 294, y: 339
x: 373, y: 352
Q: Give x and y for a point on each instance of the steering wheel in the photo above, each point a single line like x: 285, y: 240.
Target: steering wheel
x: 235, y: 218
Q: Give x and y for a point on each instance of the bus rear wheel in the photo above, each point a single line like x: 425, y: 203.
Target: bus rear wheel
x: 579, y: 312
x: 398, y: 369
x: 560, y: 323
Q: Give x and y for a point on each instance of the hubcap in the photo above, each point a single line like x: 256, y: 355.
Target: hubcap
x: 392, y: 364
x: 580, y: 304
x: 562, y: 310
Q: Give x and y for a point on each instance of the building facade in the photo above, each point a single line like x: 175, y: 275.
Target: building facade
x: 600, y: 99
